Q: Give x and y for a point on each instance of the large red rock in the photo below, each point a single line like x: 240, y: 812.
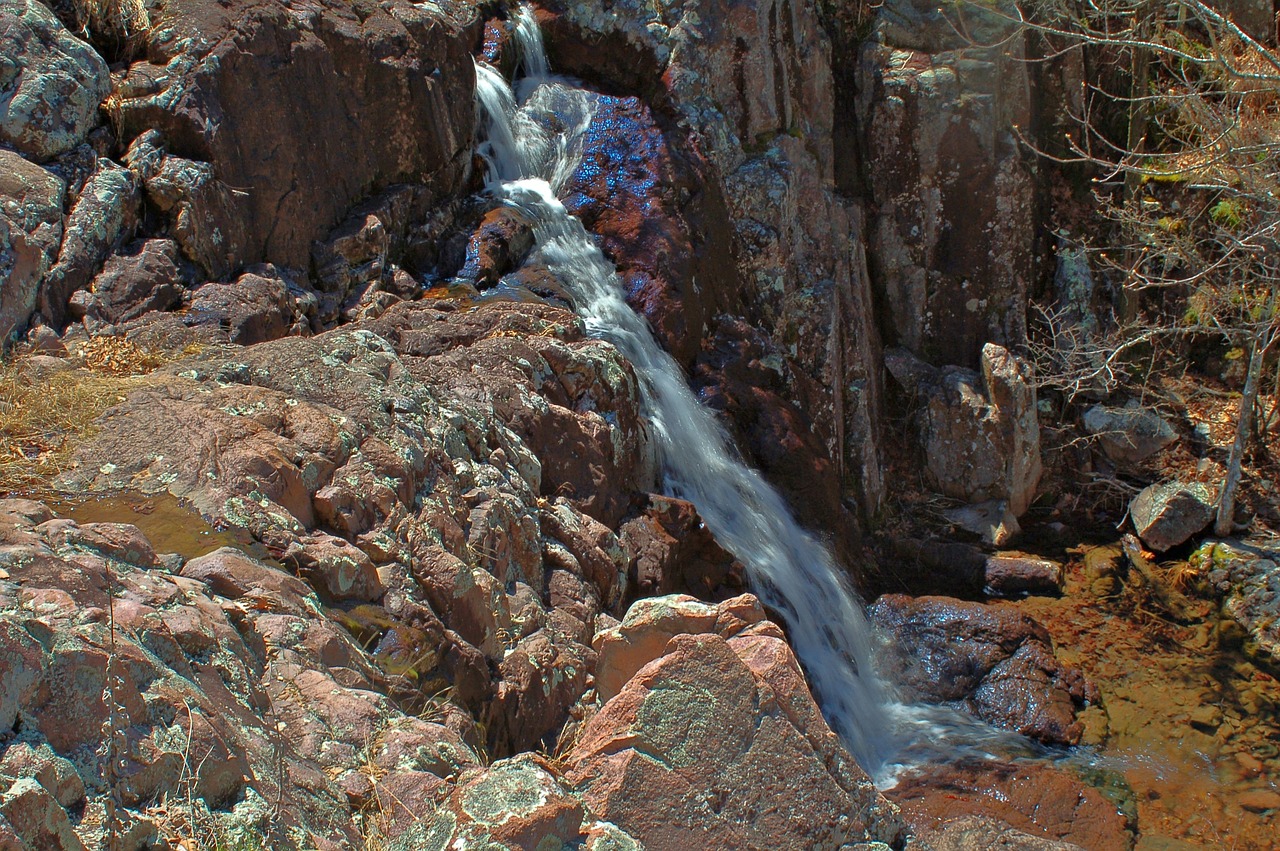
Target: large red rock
x: 300, y: 111
x: 717, y: 737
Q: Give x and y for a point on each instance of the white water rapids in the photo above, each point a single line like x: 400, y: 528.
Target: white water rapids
x: 532, y: 144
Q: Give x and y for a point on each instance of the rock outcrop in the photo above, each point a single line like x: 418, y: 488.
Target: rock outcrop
x: 952, y: 241
x: 217, y: 681
x: 707, y: 728
x: 1245, y: 575
x: 993, y: 662
x: 51, y: 83
x: 979, y: 432
x: 752, y: 82
x: 271, y: 96
x: 31, y: 200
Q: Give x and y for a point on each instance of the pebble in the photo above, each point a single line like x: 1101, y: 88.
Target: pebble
x: 1259, y: 800
x: 1249, y: 764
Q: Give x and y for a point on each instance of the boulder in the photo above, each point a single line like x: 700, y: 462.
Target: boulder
x: 340, y: 571
x: 37, y: 817
x: 336, y: 100
x: 198, y: 209
x: 543, y: 676
x: 1245, y: 575
x: 991, y: 520
x: 254, y: 308
x: 1015, y: 574
x: 51, y: 83
x: 519, y: 803
x: 1166, y: 515
x: 499, y: 245
x: 1128, y: 435
x: 980, y: 433
x: 31, y: 200
x: 717, y: 736
x: 993, y: 662
x: 143, y: 277
x: 102, y: 218
x: 989, y: 804
x: 978, y: 833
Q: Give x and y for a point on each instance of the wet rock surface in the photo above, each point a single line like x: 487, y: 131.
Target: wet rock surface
x: 995, y: 663
x: 753, y: 83
x: 1000, y: 805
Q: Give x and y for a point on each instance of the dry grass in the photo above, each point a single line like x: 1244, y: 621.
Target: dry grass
x: 45, y: 414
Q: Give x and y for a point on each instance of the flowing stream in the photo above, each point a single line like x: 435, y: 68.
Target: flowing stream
x: 533, y: 136
x: 532, y: 144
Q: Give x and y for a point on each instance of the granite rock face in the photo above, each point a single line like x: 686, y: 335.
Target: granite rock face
x: 51, y: 83
x: 979, y: 432
x: 271, y: 95
x: 31, y: 200
x: 752, y: 83
x: 952, y: 243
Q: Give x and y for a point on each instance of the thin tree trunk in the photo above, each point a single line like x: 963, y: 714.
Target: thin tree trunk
x: 1140, y: 80
x: 1227, y: 501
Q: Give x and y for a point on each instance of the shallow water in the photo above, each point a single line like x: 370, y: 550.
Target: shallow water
x: 170, y: 524
x: 1190, y: 724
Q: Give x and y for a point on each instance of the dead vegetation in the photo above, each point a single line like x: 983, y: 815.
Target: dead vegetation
x: 48, y: 406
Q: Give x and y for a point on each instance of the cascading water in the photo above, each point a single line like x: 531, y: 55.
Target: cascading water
x: 532, y: 145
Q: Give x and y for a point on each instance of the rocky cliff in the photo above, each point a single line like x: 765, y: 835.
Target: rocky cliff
x: 460, y: 612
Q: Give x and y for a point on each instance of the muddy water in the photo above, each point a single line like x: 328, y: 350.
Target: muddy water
x: 1190, y: 723
x: 171, y: 525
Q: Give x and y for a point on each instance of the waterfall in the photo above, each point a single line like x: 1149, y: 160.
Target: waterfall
x: 532, y: 145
